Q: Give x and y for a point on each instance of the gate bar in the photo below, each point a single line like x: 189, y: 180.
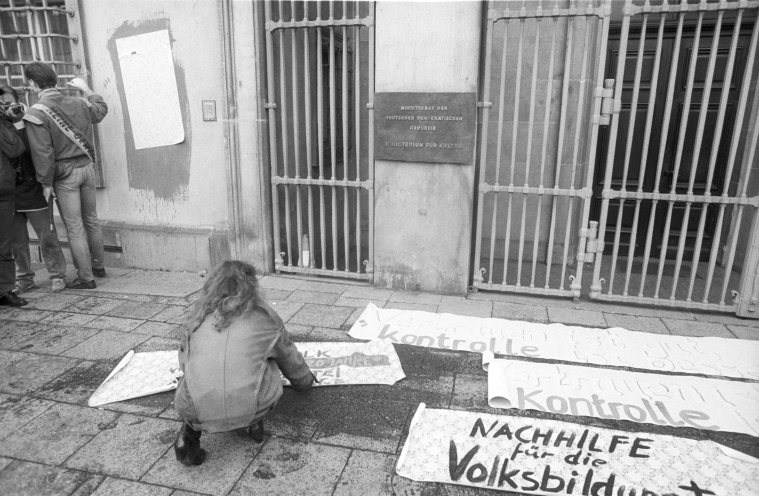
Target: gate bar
x: 333, y: 132
x: 296, y: 138
x: 309, y: 143
x: 715, y: 148
x: 285, y: 138
x: 344, y: 91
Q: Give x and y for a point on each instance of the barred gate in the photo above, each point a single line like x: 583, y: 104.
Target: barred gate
x: 640, y: 168
x: 320, y: 78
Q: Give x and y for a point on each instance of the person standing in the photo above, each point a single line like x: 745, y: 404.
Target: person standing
x: 31, y: 207
x: 11, y: 146
x: 57, y: 128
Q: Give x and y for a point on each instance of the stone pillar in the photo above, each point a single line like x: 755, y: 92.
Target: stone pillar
x: 424, y: 211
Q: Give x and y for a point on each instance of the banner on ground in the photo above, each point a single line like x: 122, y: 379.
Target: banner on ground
x: 375, y: 362
x: 549, y: 457
x: 143, y: 374
x: 663, y: 399
x: 614, y: 346
x: 137, y: 375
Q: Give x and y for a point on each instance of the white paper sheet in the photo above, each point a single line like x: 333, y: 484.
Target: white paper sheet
x: 150, y: 87
x: 548, y: 457
x: 615, y: 346
x: 137, y: 375
x: 671, y: 400
x: 334, y: 364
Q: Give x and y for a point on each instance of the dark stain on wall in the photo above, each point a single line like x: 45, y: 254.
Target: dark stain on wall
x: 163, y: 170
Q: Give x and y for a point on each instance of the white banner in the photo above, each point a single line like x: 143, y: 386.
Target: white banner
x: 614, y: 346
x: 334, y: 364
x: 671, y: 400
x: 137, y: 375
x: 549, y: 457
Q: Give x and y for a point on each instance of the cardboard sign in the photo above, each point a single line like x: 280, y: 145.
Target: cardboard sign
x: 671, y: 400
x: 137, y: 375
x: 615, y: 346
x: 334, y: 364
x: 549, y: 457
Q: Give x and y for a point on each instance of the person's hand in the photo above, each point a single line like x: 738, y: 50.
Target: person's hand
x: 79, y: 84
x: 47, y: 192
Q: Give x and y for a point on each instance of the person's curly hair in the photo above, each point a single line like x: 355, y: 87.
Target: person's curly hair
x: 230, y: 291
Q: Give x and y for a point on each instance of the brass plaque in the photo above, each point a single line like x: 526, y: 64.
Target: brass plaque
x: 425, y: 127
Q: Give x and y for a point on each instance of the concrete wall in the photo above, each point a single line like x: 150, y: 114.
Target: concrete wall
x: 167, y: 207
x: 423, y: 212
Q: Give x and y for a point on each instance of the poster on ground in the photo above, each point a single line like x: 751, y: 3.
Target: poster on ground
x: 614, y: 346
x: 662, y: 399
x: 137, y: 375
x: 549, y: 457
x: 375, y: 362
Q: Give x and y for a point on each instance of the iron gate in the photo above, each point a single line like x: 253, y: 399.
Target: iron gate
x: 661, y: 202
x: 320, y: 78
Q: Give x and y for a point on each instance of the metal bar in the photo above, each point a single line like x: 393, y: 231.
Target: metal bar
x: 560, y: 145
x: 296, y: 135
x: 546, y: 118
x: 357, y: 127
x: 728, y: 76
x: 344, y: 91
x: 320, y: 138
x: 484, y: 118
x: 669, y: 303
x: 49, y: 29
x: 742, y: 104
x: 644, y: 153
x: 700, y: 7
x: 514, y: 135
x: 531, y: 125
x: 30, y: 8
x: 280, y: 25
x: 679, y: 151
x: 309, y: 132
x: 696, y: 151
x: 595, y: 287
x: 321, y: 272
x: 573, y: 11
x: 575, y: 152
x: 285, y: 139
x: 370, y: 137
x: 498, y: 150
x: 526, y: 290
x: 628, y: 152
x: 709, y: 199
x: 333, y: 132
x: 662, y: 149
x: 272, y: 116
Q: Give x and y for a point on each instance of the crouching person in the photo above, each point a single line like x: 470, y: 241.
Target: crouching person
x: 232, y: 352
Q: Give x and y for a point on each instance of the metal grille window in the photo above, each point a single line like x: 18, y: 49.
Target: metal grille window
x: 41, y: 30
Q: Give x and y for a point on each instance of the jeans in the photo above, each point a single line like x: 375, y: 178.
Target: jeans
x: 48, y: 238
x: 76, y: 203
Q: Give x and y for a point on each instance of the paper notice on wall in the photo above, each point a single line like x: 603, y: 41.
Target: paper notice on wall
x: 137, y: 375
x: 669, y: 400
x: 615, y: 346
x: 334, y: 364
x: 150, y: 89
x: 549, y: 457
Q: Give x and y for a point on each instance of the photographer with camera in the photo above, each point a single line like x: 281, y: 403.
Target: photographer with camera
x: 57, y: 127
x: 11, y: 146
x: 31, y: 207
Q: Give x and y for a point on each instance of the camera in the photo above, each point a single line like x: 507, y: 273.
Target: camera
x: 13, y: 111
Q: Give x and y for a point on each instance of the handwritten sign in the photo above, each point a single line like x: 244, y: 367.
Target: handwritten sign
x: 615, y: 346
x: 425, y: 127
x: 549, y: 457
x: 670, y: 400
x: 335, y: 364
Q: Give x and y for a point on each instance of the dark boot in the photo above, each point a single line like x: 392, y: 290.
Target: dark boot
x: 187, y: 447
x: 256, y: 431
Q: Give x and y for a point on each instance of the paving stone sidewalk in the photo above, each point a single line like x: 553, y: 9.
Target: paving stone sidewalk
x: 327, y: 441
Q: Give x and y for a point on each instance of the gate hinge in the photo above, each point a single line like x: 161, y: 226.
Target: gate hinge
x: 592, y: 245
x: 607, y: 103
x: 270, y: 106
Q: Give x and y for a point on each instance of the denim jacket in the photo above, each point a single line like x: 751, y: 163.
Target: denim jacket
x: 232, y: 376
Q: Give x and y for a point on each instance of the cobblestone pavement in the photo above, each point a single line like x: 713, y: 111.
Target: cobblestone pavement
x: 334, y: 440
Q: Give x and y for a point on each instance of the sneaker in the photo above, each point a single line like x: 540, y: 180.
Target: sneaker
x: 11, y: 299
x: 24, y: 285
x: 58, y: 284
x: 98, y: 272
x: 256, y: 432
x: 187, y: 447
x: 78, y: 284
